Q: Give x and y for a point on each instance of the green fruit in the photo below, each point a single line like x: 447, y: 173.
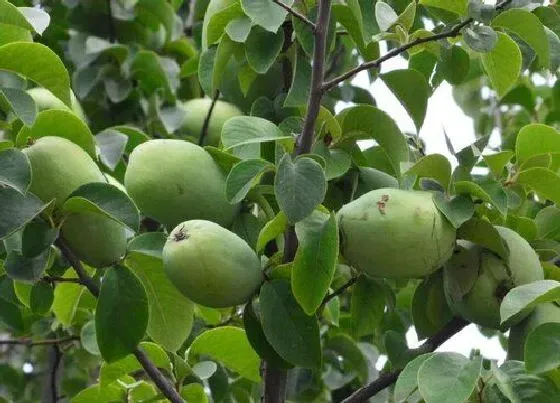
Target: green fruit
x: 395, y: 233
x: 214, y: 6
x: 211, y: 265
x: 196, y: 111
x: 58, y: 168
x: 44, y: 99
x: 481, y: 304
x: 172, y: 181
x: 543, y: 313
x: 94, y: 238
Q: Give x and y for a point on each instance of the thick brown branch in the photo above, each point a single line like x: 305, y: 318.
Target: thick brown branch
x: 385, y: 380
x: 204, y: 131
x: 153, y: 372
x: 295, y: 13
x: 33, y: 343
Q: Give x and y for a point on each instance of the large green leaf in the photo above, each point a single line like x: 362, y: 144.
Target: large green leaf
x: 407, y: 383
x: 528, y: 27
x: 19, y: 102
x: 315, y: 260
x: 547, y: 222
x: 367, y: 305
x: 542, y: 348
x: 66, y: 299
x: 292, y: 333
x: 543, y: 181
x: 434, y: 166
x: 482, y: 232
x: 430, y: 311
x: 521, y: 300
x: 262, y: 48
x: 17, y: 209
x: 411, y: 89
x: 503, y: 64
x: 15, y: 170
x: 122, y: 314
x: 536, y: 139
x: 171, y: 313
x: 491, y: 192
x: 455, y: 6
x: 243, y: 176
x: 229, y: 346
x: 265, y: 13
x: 46, y: 69
x: 242, y: 130
x: 299, y: 186
x: 10, y: 15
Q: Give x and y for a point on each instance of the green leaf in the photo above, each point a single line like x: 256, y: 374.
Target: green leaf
x: 148, y: 243
x: 492, y: 193
x: 434, y: 166
x: 528, y: 28
x: 455, y: 6
x: 262, y: 48
x: 299, y: 186
x: 301, y: 81
x: 50, y: 73
x: 385, y: 16
x: 543, y: 181
x: 229, y: 346
x: 366, y: 121
x: 448, y: 377
x: 106, y: 199
x: 10, y: 15
x: 265, y: 13
x: 242, y: 130
x: 219, y: 21
x: 122, y: 313
x: 407, y: 383
x: 66, y: 299
x: 397, y: 349
x: 430, y: 312
x: 243, y: 176
x: 10, y: 310
x: 37, y: 17
x: 496, y: 162
x: 156, y: 12
x: 483, y: 233
x: 536, y: 139
x: 15, y: 169
x: 112, y: 145
x: 24, y: 268
x: 42, y: 297
x: 171, y: 313
x: 548, y: 223
x: 89, y: 339
x: 21, y: 103
x: 480, y: 38
x: 98, y: 394
x: 503, y: 64
x: 315, y: 260
x: 59, y: 123
x: 367, y: 306
x: 271, y: 230
x: 11, y: 33
x: 521, y: 300
x: 153, y: 73
x: 351, y: 19
x: 17, y: 210
x: 457, y: 210
x: 194, y: 392
x: 455, y: 64
x: 238, y: 29
x: 411, y: 89
x: 36, y: 237
x: 542, y: 348
x: 337, y: 161
x: 353, y: 358
x: 292, y: 333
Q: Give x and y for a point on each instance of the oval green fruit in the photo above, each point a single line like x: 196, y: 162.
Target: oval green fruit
x: 211, y: 265
x: 395, y: 233
x: 58, y: 168
x: 196, y: 111
x: 481, y: 303
x: 172, y: 181
x: 44, y: 99
x: 94, y: 238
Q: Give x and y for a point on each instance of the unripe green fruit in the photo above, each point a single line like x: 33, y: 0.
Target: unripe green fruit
x: 172, y: 181
x: 481, y: 305
x: 214, y: 6
x: 44, y: 99
x: 196, y: 111
x: 94, y: 238
x: 395, y: 233
x: 58, y: 168
x: 211, y: 265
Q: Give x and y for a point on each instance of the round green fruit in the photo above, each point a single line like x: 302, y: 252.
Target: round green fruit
x: 172, y: 181
x: 214, y: 7
x: 395, y: 233
x: 58, y: 168
x: 211, y: 265
x: 196, y: 111
x: 94, y: 238
x: 44, y: 99
x: 481, y: 304
x: 543, y: 313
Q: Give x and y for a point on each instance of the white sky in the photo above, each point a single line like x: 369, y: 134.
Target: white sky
x: 442, y: 114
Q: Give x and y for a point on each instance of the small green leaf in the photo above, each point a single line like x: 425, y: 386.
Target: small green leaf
x: 354, y: 359
x: 148, y: 243
x: 315, y: 260
x: 480, y: 38
x: 17, y: 210
x: 496, y: 162
x: 455, y: 64
x: 292, y: 333
x: 243, y: 176
x: 489, y: 192
x: 106, y: 199
x: 430, y: 311
x: 455, y: 6
x: 265, y: 13
x: 112, y: 145
x: 242, y: 130
x: 548, y: 223
x: 543, y: 181
x: 37, y: 17
x: 483, y: 233
x: 194, y: 392
x: 10, y: 15
x: 337, y: 161
x: 299, y: 186
x: 542, y: 348
x: 457, y: 210
x: 411, y: 89
x: 42, y: 297
x: 21, y: 103
x: 15, y: 169
x: 301, y: 81
x: 262, y: 48
x: 121, y: 317
x: 385, y: 16
x: 503, y: 64
x: 536, y: 139
x: 434, y: 166
x: 229, y: 346
x: 154, y: 72
x: 448, y: 377
x: 367, y: 306
x: 66, y: 299
x: 521, y: 300
x: 271, y: 230
x: 37, y: 236
x: 89, y: 339
x: 28, y: 269
x: 407, y: 383
x: 238, y: 29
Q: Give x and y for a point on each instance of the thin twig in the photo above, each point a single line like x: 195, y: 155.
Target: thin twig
x: 204, y: 130
x: 296, y: 14
x: 339, y: 291
x: 54, y: 372
x: 153, y: 372
x: 56, y: 279
x: 385, y: 380
x: 33, y: 343
x: 111, y: 23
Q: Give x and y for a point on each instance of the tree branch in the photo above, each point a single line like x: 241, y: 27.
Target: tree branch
x: 56, y: 279
x: 295, y: 13
x: 206, y: 123
x: 339, y: 291
x: 153, y: 372
x: 33, y: 343
x: 385, y: 380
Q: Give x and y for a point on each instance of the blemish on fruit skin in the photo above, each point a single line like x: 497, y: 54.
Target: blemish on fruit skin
x: 180, y: 235
x: 382, y: 203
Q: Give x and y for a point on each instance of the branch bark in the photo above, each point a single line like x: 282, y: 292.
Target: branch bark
x: 33, y: 343
x: 295, y: 13
x: 153, y: 372
x: 204, y: 131
x: 385, y: 380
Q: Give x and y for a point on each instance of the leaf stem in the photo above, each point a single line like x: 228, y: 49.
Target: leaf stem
x: 204, y: 131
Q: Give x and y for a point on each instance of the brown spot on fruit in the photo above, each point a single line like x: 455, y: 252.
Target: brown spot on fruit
x: 180, y: 235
